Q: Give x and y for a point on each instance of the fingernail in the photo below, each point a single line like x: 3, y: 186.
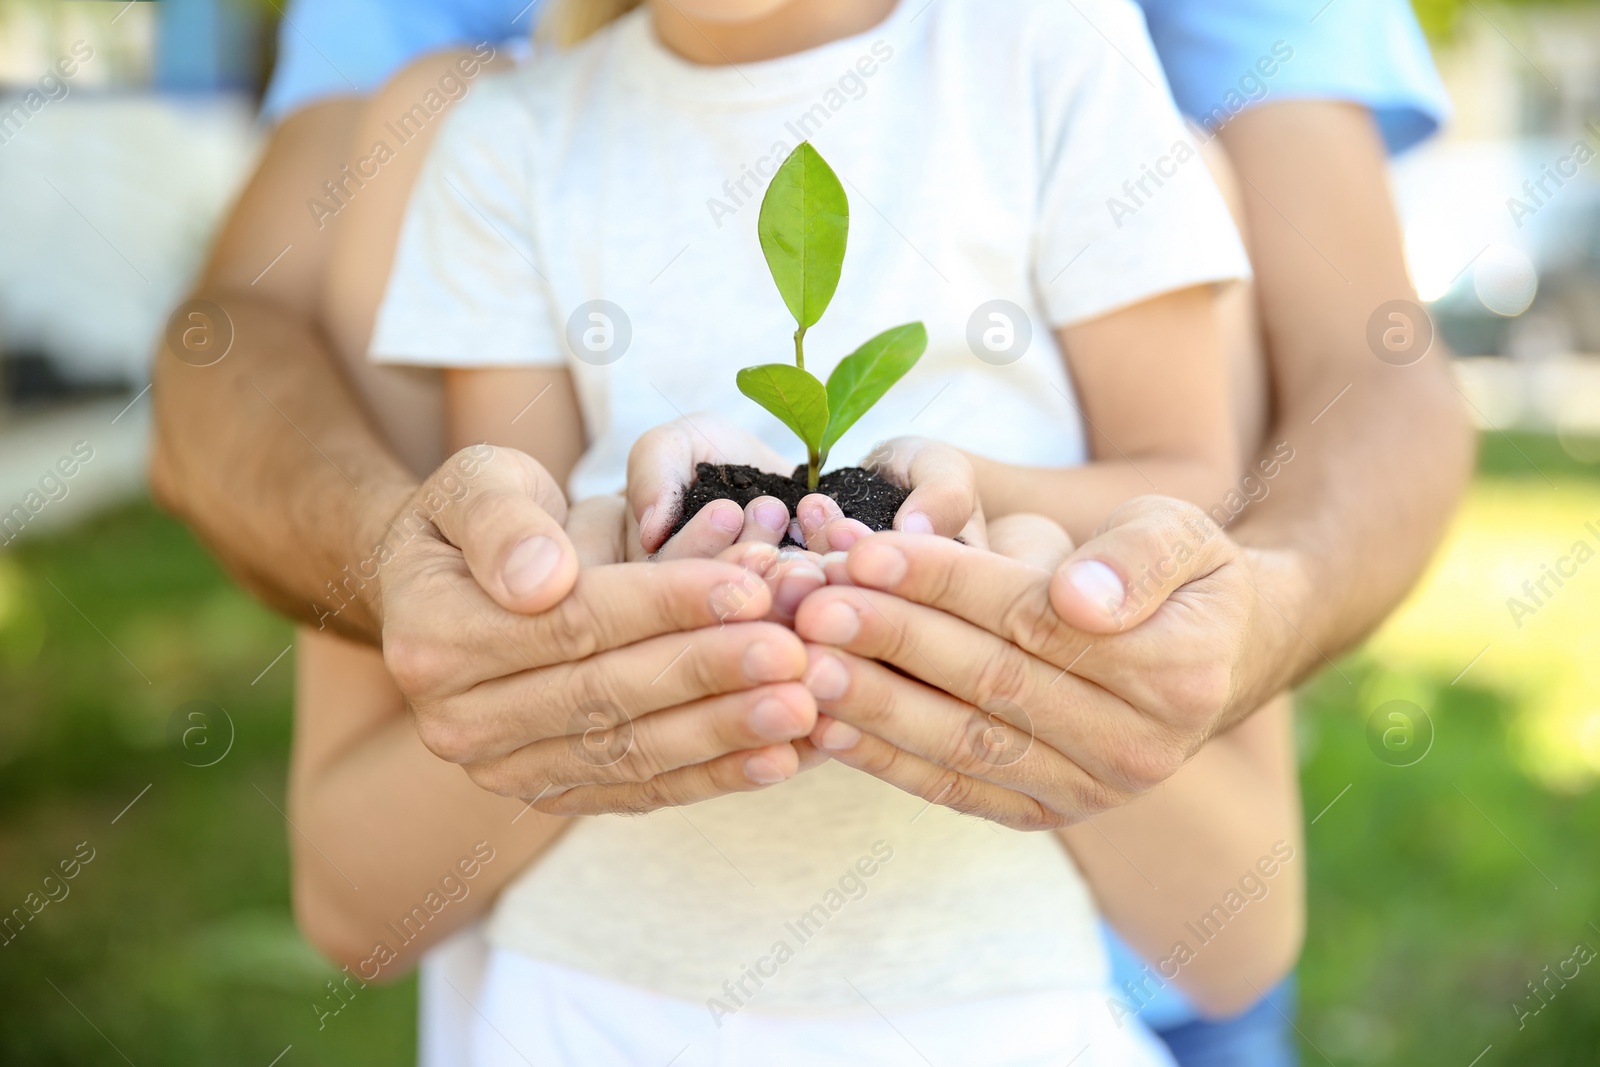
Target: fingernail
x: 813, y: 514
x: 916, y: 522
x: 877, y: 564
x: 765, y: 662
x: 770, y: 515
x: 772, y: 719
x: 796, y: 534
x: 841, y: 535
x: 731, y: 598
x: 839, y: 736
x: 729, y: 518
x: 644, y: 521
x: 529, y: 565
x: 798, y: 584
x: 1098, y: 583
x: 826, y: 678
x: 834, y: 624
x: 763, y: 771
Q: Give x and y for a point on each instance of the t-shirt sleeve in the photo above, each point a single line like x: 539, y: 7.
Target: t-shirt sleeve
x: 1127, y: 208
x: 465, y: 289
x: 1224, y: 57
x: 329, y: 48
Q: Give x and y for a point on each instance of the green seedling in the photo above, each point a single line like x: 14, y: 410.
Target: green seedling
x: 804, y: 224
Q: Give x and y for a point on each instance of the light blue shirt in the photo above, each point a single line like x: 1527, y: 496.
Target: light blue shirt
x: 1217, y: 53
x: 1220, y: 57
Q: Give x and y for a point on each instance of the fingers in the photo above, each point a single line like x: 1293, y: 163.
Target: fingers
x: 1150, y: 547
x: 708, y: 532
x: 507, y: 522
x: 790, y: 575
x: 721, y: 523
x: 443, y: 635
x: 608, y: 745
x: 1006, y: 597
x: 823, y: 525
x: 1100, y: 731
x: 662, y: 464
x: 796, y: 578
x: 1030, y: 539
x: 595, y: 527
x: 945, y: 787
x: 998, y: 741
x: 733, y: 773
x: 766, y: 520
x: 944, y: 492
x: 505, y: 714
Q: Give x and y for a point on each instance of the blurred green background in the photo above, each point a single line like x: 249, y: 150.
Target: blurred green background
x: 1438, y: 890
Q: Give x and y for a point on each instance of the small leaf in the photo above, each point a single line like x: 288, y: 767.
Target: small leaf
x: 804, y: 223
x: 862, y: 377
x: 793, y: 395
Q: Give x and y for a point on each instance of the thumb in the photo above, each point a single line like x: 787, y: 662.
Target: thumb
x: 1149, y: 547
x: 505, y: 513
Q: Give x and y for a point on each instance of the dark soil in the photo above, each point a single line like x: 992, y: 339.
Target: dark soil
x: 861, y: 494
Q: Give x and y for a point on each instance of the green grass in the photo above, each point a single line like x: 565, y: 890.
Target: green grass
x: 176, y: 940
x: 1438, y: 890
x: 1430, y: 904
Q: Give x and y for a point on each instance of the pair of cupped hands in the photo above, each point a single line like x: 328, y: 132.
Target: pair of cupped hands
x: 580, y: 659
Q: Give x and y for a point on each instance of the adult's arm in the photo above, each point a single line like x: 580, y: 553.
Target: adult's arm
x: 266, y: 453
x: 1163, y: 629
x: 494, y: 668
x: 1381, y: 452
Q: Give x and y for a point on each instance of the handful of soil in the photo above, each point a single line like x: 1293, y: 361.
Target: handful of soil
x: 861, y: 494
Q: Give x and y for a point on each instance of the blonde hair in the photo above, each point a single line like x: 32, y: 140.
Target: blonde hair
x: 566, y: 22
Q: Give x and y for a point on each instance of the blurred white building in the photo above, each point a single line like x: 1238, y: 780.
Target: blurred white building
x: 117, y: 157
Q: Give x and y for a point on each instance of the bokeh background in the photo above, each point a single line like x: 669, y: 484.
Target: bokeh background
x: 1452, y: 851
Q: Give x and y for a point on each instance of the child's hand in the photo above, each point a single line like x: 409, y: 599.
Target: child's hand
x: 661, y: 467
x: 944, y: 497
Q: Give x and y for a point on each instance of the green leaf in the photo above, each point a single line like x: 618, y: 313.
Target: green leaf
x: 804, y: 222
x: 862, y: 377
x: 793, y: 395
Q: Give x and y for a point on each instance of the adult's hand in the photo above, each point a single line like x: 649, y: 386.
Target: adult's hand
x: 1030, y: 696
x: 617, y: 687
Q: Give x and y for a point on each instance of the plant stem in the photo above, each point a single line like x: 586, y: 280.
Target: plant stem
x: 813, y: 467
x: 800, y: 348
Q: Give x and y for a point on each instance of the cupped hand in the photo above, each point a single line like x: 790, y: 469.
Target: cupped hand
x: 614, y: 687
x: 661, y: 467
x: 1034, y: 694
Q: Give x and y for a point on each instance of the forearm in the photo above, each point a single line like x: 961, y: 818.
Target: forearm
x: 267, y: 456
x: 1081, y: 498
x: 380, y: 824
x: 1382, y: 452
x: 1223, y: 831
x: 1358, y: 512
x: 403, y: 825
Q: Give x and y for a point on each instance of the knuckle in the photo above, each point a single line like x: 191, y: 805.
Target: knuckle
x: 450, y: 741
x: 1095, y: 796
x: 1031, y: 621
x: 640, y: 798
x: 1003, y: 675
x: 419, y: 667
x: 1030, y: 816
x: 1141, y: 767
x: 639, y: 764
x: 571, y: 630
x: 494, y: 776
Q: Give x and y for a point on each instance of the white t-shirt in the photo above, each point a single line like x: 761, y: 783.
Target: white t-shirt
x: 984, y: 145
x: 980, y: 143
